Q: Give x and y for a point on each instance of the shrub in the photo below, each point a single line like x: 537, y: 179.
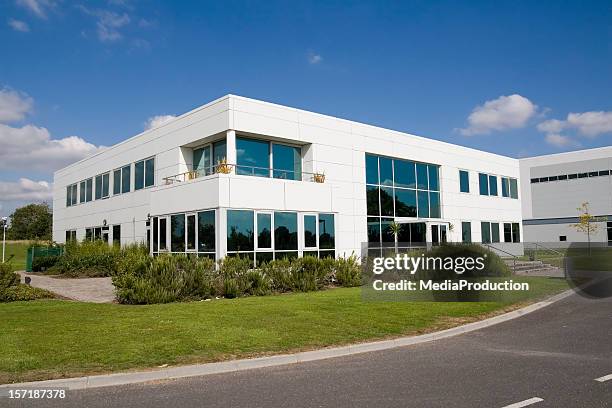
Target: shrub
x: 348, y: 271
x: 22, y: 292
x: 7, y: 276
x: 42, y: 263
x: 279, y: 273
x: 87, y: 259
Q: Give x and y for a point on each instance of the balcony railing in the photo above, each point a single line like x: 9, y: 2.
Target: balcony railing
x: 225, y: 168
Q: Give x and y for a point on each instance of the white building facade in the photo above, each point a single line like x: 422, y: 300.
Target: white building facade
x: 555, y: 186
x: 239, y: 175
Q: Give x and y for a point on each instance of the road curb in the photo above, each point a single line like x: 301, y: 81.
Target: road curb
x: 195, y: 370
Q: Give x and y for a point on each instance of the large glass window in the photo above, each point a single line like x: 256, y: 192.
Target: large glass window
x: 144, y: 173
x: 117, y: 235
x: 98, y: 187
x: 252, y: 157
x: 373, y: 229
x: 264, y: 230
x: 206, y: 231
x: 327, y: 235
x: 177, y: 233
x: 240, y: 230
x: 149, y: 172
x: 285, y: 231
x: 415, y: 192
x: 464, y: 181
x: 287, y: 162
x: 310, y: 231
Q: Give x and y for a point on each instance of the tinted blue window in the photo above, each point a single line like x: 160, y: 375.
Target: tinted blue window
x: 404, y: 172
x: 513, y: 189
x: 371, y: 169
x: 493, y: 185
x: 206, y: 231
x: 252, y: 157
x: 310, y: 231
x: 240, y: 230
x: 421, y: 170
x: 373, y: 229
x: 405, y: 203
x: 434, y: 183
x: 386, y: 171
x: 372, y: 200
x: 264, y: 230
x: 287, y: 162
x: 285, y: 231
x: 434, y: 205
x: 464, y: 181
x: 386, y: 201
x: 202, y: 161
x: 483, y: 181
x: 327, y: 234
x: 177, y: 233
x: 219, y: 152
x: 423, y: 199
x: 505, y: 187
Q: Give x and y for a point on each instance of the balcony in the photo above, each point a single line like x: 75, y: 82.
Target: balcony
x: 252, y: 171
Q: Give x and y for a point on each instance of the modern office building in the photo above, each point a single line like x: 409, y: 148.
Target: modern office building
x: 553, y: 188
x: 239, y: 175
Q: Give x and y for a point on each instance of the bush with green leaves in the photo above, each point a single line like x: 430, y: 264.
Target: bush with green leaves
x: 12, y: 290
x: 87, y: 259
x: 43, y: 263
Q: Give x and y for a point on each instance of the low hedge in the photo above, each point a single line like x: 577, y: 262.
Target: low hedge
x: 12, y: 290
x: 171, y: 278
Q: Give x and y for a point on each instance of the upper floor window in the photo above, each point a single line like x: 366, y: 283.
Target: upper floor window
x: 71, y: 195
x: 483, y: 183
x: 206, y: 158
x: 266, y: 159
x: 464, y: 181
x: 144, y: 173
x: 402, y: 188
x: 121, y: 180
x: 509, y: 187
x: 102, y: 181
x: 86, y: 190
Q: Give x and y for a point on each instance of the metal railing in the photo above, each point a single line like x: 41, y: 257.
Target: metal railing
x: 514, y: 257
x: 265, y: 172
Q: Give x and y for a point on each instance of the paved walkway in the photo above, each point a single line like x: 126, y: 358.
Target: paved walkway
x: 94, y: 290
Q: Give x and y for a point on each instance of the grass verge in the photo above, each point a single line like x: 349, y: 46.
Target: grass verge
x: 52, y: 339
x: 16, y: 252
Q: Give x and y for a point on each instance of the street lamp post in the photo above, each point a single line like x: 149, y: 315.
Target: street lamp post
x: 4, y: 226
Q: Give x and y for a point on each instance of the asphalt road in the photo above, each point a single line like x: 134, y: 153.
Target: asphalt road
x: 554, y: 354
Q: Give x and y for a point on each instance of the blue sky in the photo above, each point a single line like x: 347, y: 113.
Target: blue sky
x: 515, y: 78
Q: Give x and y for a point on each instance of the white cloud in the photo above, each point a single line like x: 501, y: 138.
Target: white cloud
x: 314, y: 58
x: 591, y: 124
x: 558, y: 140
x: 156, y: 121
x: 503, y: 113
x: 18, y: 25
x: 36, y: 7
x: 32, y: 148
x: 551, y: 126
x: 25, y: 190
x: 14, y: 105
x: 108, y: 23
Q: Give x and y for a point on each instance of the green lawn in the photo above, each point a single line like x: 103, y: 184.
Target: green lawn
x: 16, y: 253
x: 53, y: 338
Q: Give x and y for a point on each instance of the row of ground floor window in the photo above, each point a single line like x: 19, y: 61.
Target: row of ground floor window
x: 258, y: 235
x: 380, y: 230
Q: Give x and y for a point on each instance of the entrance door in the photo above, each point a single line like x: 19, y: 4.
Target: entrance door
x: 438, y: 234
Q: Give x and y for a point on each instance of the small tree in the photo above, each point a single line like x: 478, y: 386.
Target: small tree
x: 587, y: 223
x: 395, y: 229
